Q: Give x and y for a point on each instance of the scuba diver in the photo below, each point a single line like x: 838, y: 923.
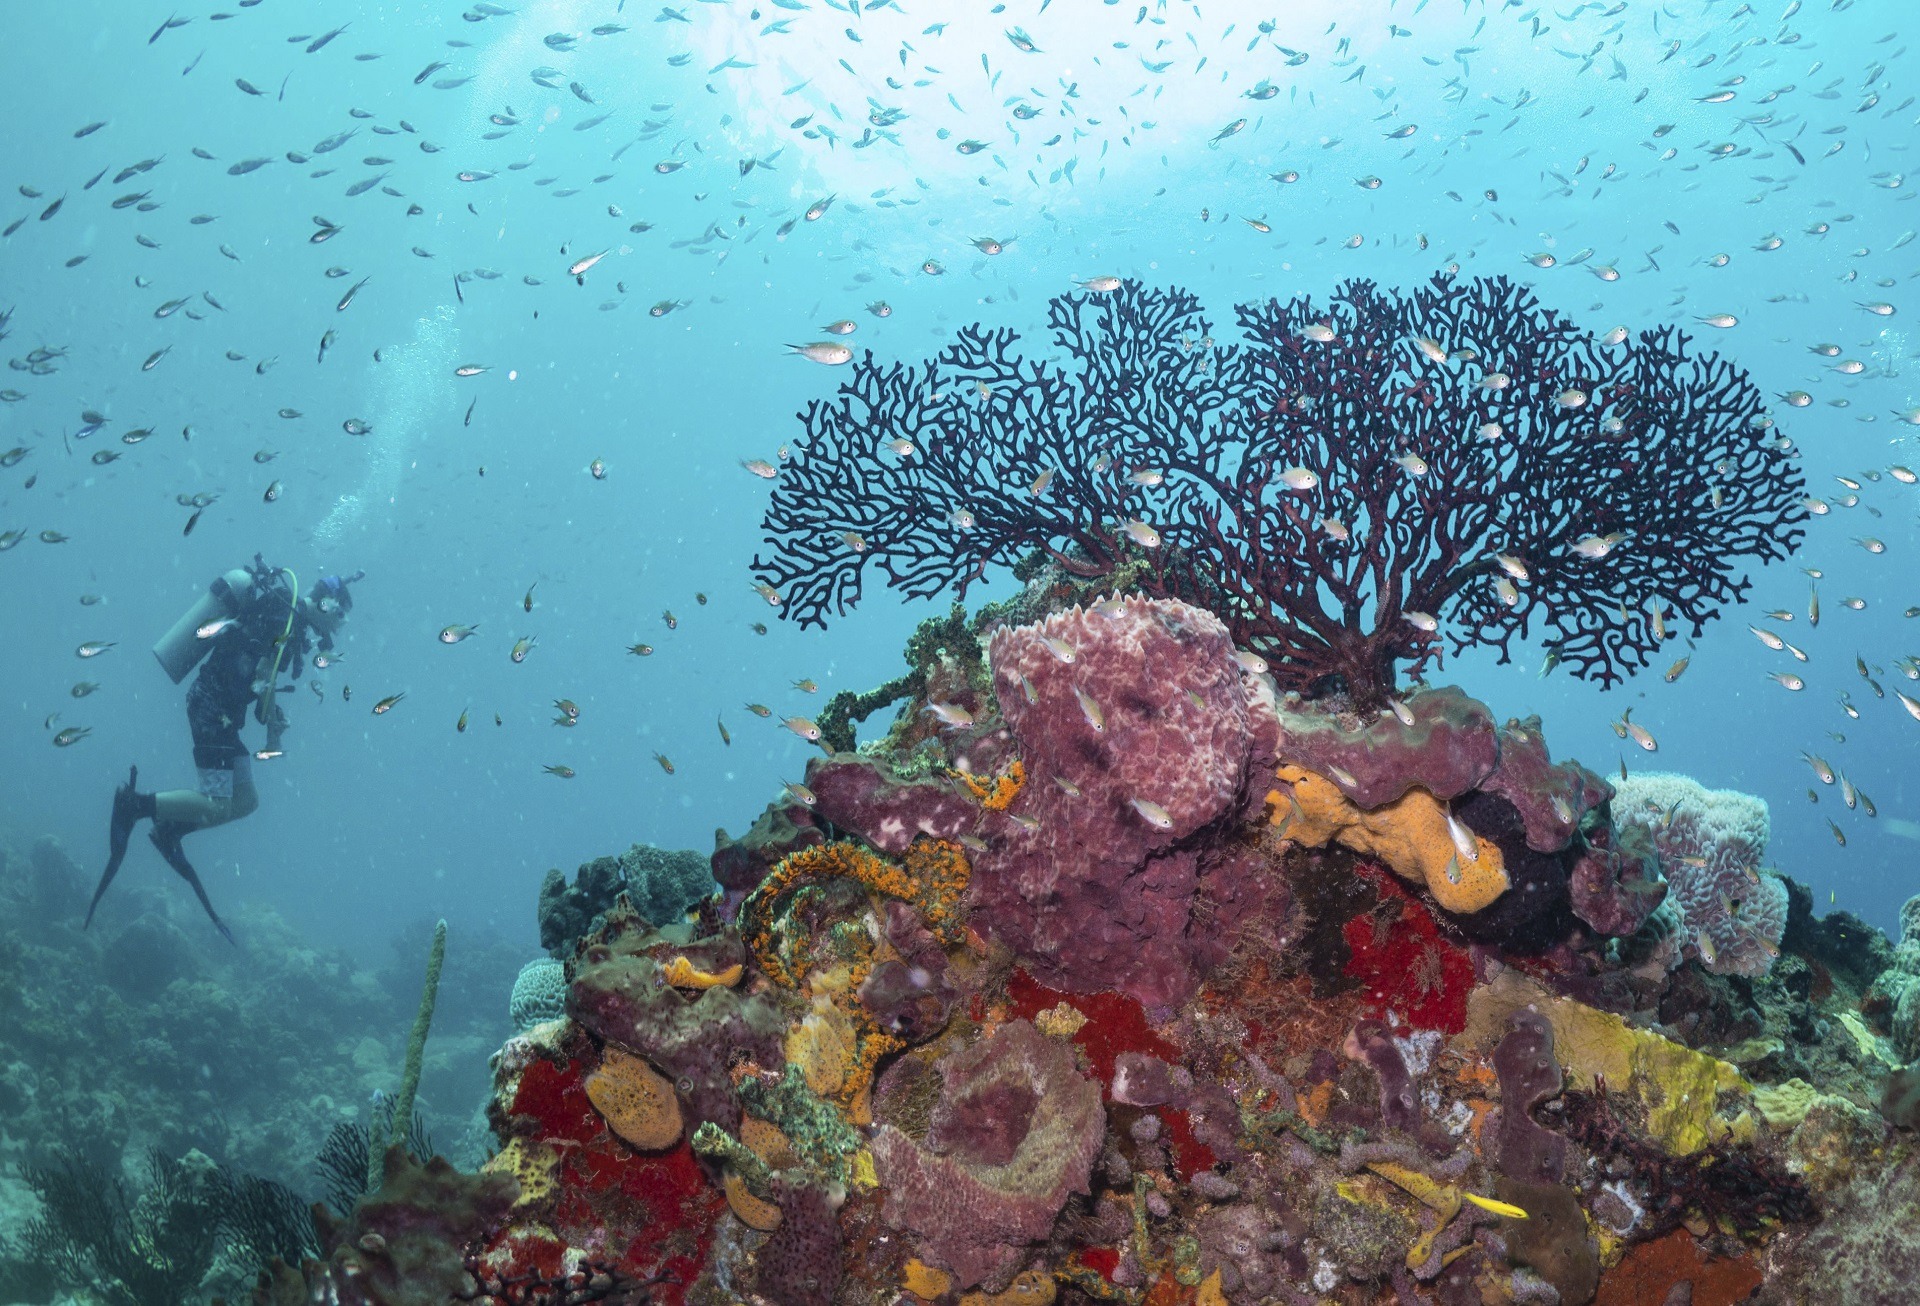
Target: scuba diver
x: 250, y: 625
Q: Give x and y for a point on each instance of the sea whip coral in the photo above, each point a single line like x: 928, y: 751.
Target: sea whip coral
x: 1458, y: 452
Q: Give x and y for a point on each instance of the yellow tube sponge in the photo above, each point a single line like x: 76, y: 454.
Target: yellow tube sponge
x: 1409, y: 835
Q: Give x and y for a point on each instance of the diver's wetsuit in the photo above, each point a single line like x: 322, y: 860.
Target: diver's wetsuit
x: 217, y: 706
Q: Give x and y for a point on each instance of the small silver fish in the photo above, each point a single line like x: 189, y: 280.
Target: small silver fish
x: 1465, y: 843
x: 1154, y: 814
x: 830, y: 352
x: 1091, y: 711
x: 951, y: 714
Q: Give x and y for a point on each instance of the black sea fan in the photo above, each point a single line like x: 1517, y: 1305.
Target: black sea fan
x: 936, y: 471
x: 1345, y: 488
x: 1491, y: 465
x: 341, y: 1164
x: 267, y: 1221
x: 147, y: 1249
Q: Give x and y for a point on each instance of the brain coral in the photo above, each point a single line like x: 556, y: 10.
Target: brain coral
x: 1138, y: 731
x: 1015, y: 1130
x: 539, y: 994
x: 1710, y: 842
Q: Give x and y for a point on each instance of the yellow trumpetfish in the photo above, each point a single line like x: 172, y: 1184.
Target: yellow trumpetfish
x: 1507, y: 1209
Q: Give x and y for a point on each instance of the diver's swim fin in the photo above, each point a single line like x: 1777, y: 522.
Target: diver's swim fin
x: 126, y: 811
x: 166, y: 837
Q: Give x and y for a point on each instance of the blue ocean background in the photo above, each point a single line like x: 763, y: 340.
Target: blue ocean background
x: 1594, y: 126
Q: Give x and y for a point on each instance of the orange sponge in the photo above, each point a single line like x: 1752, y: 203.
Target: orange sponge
x: 635, y: 1101
x: 772, y: 1147
x: 1409, y: 835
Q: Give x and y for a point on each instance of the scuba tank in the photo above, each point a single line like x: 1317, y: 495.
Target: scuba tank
x: 238, y: 593
x: 179, y: 650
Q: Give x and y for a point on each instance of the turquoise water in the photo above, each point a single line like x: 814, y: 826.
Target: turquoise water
x: 1658, y: 137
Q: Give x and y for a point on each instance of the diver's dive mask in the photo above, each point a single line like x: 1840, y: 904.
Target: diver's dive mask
x: 329, y: 602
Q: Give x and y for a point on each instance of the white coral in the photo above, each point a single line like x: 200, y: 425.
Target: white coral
x: 1710, y: 843
x: 539, y: 994
x: 1722, y: 816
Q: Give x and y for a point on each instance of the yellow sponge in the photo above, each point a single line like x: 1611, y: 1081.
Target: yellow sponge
x: 1680, y: 1087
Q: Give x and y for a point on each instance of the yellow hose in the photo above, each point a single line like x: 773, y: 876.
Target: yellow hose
x: 263, y: 710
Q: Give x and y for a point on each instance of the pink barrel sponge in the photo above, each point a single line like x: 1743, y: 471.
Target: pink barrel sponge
x: 1014, y: 1133
x: 1145, y: 745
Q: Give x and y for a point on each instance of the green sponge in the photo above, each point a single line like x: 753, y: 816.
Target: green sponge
x: 381, y: 1132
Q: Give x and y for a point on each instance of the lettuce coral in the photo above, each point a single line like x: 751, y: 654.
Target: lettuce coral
x: 1897, y: 988
x: 1710, y: 842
